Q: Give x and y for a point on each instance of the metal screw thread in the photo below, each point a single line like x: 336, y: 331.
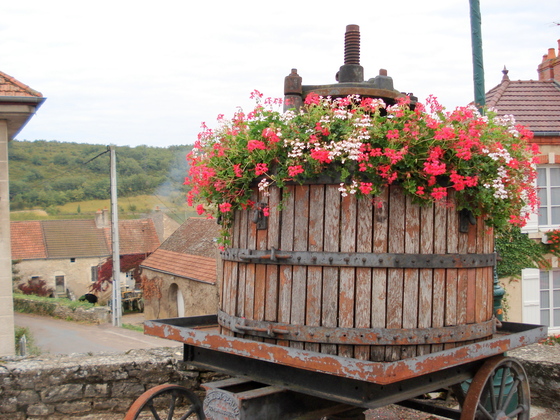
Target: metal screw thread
x: 352, y: 45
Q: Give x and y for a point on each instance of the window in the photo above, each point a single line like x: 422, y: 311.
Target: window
x: 548, y: 183
x: 550, y: 298
x: 72, y: 259
x: 94, y: 274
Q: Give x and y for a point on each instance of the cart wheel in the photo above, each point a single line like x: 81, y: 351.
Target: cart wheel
x: 499, y: 391
x: 166, y: 402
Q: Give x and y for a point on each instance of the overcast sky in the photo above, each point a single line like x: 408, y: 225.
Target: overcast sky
x: 144, y: 72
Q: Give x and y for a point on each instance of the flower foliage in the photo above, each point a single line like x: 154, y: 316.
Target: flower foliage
x: 553, y: 241
x: 367, y: 145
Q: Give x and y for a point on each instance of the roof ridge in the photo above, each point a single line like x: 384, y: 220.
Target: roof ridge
x: 500, y: 89
x: 27, y: 89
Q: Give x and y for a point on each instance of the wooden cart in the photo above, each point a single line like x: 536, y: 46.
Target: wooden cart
x: 276, y: 382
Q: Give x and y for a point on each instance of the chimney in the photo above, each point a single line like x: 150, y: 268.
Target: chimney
x: 102, y: 218
x: 549, y: 69
x: 99, y: 219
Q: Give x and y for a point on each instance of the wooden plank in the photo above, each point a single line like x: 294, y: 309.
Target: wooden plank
x: 301, y: 229
x: 440, y: 247
x: 462, y: 278
x: 425, y: 307
x: 411, y: 275
x: 287, y: 244
x: 364, y: 243
x: 480, y: 310
x: 315, y: 274
x: 347, y: 286
x: 395, y: 277
x: 273, y: 240
x: 251, y: 268
x: 242, y: 268
x: 329, y: 306
x: 471, y: 276
x: 260, y: 269
x: 451, y: 274
x: 380, y: 223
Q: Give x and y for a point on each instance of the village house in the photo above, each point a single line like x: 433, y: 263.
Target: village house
x: 535, y: 298
x: 179, y: 278
x: 66, y: 254
x: 18, y: 103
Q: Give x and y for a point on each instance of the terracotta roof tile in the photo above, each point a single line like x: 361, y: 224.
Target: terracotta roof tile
x: 532, y: 103
x: 27, y: 240
x: 137, y: 236
x: 74, y: 238
x: 197, y: 236
x: 182, y: 265
x: 12, y: 87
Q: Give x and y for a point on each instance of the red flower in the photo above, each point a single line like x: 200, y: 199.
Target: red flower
x: 225, y: 207
x: 295, y: 170
x: 255, y: 144
x: 261, y: 169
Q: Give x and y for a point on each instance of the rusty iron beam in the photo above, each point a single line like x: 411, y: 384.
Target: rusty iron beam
x: 511, y: 336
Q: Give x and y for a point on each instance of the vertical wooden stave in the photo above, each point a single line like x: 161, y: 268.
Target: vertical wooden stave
x: 380, y: 224
x: 451, y: 273
x: 411, y: 275
x: 426, y: 287
x: 273, y: 241
x: 347, y: 286
x: 364, y: 243
x: 438, y: 299
x: 315, y: 274
x: 286, y: 270
x: 329, y: 306
x: 299, y: 286
x: 395, y: 276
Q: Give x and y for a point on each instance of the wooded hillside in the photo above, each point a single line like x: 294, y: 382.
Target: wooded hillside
x: 50, y: 173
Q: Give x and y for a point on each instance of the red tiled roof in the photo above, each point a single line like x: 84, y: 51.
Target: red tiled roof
x: 197, y: 236
x: 12, y: 87
x: 27, y: 240
x: 74, y: 238
x: 138, y: 236
x: 535, y: 105
x: 182, y: 265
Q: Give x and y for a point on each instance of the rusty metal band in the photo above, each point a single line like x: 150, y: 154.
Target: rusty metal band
x: 359, y: 259
x: 358, y: 336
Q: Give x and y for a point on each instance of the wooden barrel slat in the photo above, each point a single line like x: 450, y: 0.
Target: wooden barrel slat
x: 395, y: 276
x: 426, y: 287
x: 380, y: 225
x: 364, y: 243
x: 347, y: 288
x: 329, y: 306
x: 316, y: 218
x: 285, y: 271
x: 299, y: 286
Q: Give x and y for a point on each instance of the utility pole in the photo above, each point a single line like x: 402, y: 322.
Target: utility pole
x: 478, y: 62
x: 116, y: 301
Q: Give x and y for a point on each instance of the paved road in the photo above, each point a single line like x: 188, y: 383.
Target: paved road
x: 57, y: 336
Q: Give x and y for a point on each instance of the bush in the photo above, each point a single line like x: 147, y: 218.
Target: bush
x: 37, y: 287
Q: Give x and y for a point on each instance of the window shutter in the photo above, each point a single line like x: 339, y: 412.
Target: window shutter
x: 530, y: 289
x: 532, y: 225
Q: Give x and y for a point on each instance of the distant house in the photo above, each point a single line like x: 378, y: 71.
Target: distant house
x: 179, y: 278
x: 536, y: 104
x: 67, y: 253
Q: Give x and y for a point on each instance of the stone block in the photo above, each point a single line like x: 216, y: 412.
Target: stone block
x: 27, y: 397
x: 40, y: 410
x: 96, y: 390
x: 74, y: 407
x: 127, y: 389
x: 68, y: 392
x: 118, y: 405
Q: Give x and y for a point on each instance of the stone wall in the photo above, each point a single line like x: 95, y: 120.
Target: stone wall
x: 95, y: 315
x: 102, y: 386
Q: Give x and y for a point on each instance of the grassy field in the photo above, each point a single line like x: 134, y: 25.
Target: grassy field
x: 129, y: 208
